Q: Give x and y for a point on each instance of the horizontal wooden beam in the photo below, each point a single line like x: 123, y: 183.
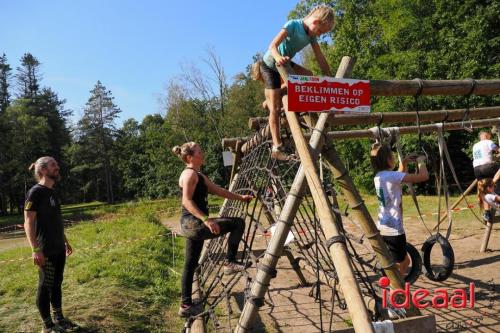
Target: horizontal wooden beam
x: 434, y: 87
x: 230, y: 143
x: 398, y: 117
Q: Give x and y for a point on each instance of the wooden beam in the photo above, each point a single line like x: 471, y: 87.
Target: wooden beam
x: 338, y: 250
x: 283, y: 225
x: 434, y: 87
x: 357, y: 134
x: 390, y: 118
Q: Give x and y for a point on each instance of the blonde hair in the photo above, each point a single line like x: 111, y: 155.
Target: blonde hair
x: 481, y: 189
x: 323, y: 13
x: 484, y: 134
x: 184, y: 150
x: 255, y: 73
x: 379, y: 156
x: 41, y: 163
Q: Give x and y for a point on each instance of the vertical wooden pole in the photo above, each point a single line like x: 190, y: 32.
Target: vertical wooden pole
x: 486, y: 238
x: 285, y: 220
x: 459, y: 200
x: 361, y: 214
x: 338, y: 250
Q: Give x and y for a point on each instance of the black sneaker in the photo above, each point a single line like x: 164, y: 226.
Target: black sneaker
x: 54, y: 329
x: 67, y: 325
x: 186, y: 311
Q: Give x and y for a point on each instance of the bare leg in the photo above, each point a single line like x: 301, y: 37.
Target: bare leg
x: 403, y: 265
x: 274, y: 105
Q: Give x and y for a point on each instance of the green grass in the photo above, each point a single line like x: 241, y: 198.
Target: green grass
x: 128, y: 287
x: 116, y: 287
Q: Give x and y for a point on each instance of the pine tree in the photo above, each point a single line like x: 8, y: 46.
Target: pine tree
x: 97, y: 129
x: 28, y: 76
x: 4, y: 83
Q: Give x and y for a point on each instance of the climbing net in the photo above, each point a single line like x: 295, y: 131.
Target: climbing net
x: 270, y: 182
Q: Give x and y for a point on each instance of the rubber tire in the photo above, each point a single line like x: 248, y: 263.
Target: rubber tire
x: 444, y: 271
x: 416, y: 264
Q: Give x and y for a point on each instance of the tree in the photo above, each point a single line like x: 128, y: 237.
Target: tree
x: 97, y: 129
x: 28, y: 76
x: 4, y: 83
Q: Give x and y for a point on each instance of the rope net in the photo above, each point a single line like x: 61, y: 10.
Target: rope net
x: 270, y: 182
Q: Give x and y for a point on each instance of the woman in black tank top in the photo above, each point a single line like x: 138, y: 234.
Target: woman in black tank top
x: 196, y: 224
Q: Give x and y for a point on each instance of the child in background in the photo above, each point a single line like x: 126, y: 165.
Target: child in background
x: 293, y: 37
x: 389, y: 195
x: 486, y: 195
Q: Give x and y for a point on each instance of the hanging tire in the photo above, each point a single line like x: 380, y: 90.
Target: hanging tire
x: 416, y: 264
x: 443, y: 271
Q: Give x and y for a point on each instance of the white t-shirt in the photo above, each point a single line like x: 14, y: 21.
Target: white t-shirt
x: 490, y: 199
x: 482, y: 152
x: 389, y: 195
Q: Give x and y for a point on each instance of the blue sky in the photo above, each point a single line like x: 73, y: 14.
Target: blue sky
x: 133, y: 47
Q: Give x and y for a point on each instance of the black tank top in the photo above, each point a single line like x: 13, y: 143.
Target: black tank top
x: 200, y: 196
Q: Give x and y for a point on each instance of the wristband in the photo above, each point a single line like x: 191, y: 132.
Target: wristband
x: 35, y: 250
x: 205, y: 219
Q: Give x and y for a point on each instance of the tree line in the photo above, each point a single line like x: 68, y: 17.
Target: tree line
x: 429, y: 39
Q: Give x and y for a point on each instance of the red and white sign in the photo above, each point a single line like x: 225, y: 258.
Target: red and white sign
x: 323, y: 93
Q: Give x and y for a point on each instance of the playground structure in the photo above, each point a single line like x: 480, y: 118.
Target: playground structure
x: 292, y: 196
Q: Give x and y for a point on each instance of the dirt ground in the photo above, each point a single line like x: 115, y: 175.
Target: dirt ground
x: 291, y: 308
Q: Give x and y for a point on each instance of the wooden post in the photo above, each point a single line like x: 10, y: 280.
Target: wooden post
x: 285, y: 220
x: 338, y: 250
x: 361, y: 214
x: 486, y: 238
x: 459, y: 200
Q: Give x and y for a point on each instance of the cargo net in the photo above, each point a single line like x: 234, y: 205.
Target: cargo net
x: 269, y: 181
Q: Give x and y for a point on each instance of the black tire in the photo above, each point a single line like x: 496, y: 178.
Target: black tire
x: 442, y: 272
x: 416, y: 264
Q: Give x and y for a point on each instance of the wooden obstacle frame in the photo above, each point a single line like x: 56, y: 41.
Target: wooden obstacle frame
x: 308, y: 152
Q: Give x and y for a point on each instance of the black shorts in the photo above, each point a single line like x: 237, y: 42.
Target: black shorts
x: 272, y: 79
x: 486, y: 171
x: 397, y: 246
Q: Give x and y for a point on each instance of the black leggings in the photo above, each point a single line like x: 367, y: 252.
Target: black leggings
x: 196, y: 232
x: 50, y: 278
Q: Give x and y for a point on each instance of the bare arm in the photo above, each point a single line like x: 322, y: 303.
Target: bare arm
x: 29, y: 228
x: 222, y: 192
x: 421, y: 176
x: 320, y: 58
x: 273, y: 47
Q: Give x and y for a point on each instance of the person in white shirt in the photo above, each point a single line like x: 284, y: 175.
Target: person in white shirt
x: 483, y: 159
x: 389, y: 195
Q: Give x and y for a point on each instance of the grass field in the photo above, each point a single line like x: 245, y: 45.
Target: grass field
x: 110, y: 285
x: 122, y: 276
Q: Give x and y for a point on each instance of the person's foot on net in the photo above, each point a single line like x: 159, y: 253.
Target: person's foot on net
x: 190, y: 310
x: 233, y: 268
x: 67, y: 325
x: 487, y: 215
x: 279, y: 153
x: 54, y: 329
